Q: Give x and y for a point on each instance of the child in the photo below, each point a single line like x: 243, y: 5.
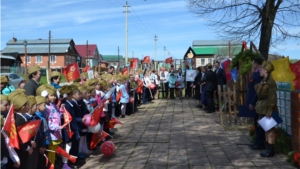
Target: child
x: 71, y: 144
x: 83, y: 149
x: 21, y: 106
x: 6, y: 88
x: 9, y: 157
x: 34, y: 141
x: 45, y: 134
x: 125, y: 97
x: 53, y: 114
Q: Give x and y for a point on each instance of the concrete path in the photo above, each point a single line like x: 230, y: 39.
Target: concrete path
x: 173, y: 134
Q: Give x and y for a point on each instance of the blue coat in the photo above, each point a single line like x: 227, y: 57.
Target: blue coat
x: 125, y: 95
x: 251, y: 97
x: 172, y: 80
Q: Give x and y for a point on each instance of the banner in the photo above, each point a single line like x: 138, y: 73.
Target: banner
x: 10, y: 127
x: 28, y: 130
x: 62, y: 152
x: 190, y: 75
x: 85, y: 69
x: 112, y: 123
x: 146, y: 59
x: 125, y: 71
x: 71, y: 72
x: 169, y: 60
x: 133, y: 63
x: 96, y: 115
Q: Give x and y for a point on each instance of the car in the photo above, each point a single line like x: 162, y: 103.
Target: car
x: 14, y: 79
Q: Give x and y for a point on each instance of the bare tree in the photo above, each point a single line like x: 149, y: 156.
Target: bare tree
x: 270, y: 21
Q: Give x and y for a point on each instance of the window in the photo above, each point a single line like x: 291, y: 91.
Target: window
x: 202, y: 62
x: 210, y: 60
x: 53, y: 59
x: 28, y: 59
x: 38, y: 59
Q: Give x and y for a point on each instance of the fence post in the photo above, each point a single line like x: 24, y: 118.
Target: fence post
x: 219, y: 102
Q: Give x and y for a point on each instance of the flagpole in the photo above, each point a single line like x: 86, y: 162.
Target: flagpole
x: 55, y: 152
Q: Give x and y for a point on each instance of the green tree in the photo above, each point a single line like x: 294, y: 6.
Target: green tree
x: 270, y: 21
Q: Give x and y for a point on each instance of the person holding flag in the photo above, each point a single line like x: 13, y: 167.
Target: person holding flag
x: 40, y: 114
x: 9, y: 157
x: 71, y: 124
x: 125, y: 96
x: 53, y: 114
x: 20, y: 106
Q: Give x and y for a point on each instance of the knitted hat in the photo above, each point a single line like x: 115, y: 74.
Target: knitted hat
x: 33, y: 69
x: 40, y: 99
x: 54, y: 73
x: 31, y: 100
x: 268, y: 66
x: 19, y: 101
x: 3, y: 97
x: 4, y: 79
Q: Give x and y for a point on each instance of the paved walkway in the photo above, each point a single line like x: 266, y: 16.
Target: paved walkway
x: 169, y: 134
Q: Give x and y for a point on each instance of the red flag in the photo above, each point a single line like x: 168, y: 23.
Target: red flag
x: 85, y: 69
x: 71, y: 72
x: 146, y: 59
x: 10, y: 127
x: 96, y: 115
x: 169, y: 60
x: 119, y: 95
x: 125, y: 71
x: 28, y: 130
x: 112, y: 123
x: 97, y: 137
x: 62, y: 152
x: 244, y: 46
x: 67, y: 117
x: 133, y: 63
x: 69, y: 131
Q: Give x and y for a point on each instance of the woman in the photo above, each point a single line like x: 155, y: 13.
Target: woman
x: 6, y: 88
x: 203, y: 101
x: 55, y: 79
x: 267, y: 104
x: 180, y: 83
x: 172, y: 81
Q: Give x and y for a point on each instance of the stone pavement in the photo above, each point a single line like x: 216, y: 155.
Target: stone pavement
x: 174, y: 134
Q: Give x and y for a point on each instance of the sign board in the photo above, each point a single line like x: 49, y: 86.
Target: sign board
x: 91, y: 74
x: 190, y: 75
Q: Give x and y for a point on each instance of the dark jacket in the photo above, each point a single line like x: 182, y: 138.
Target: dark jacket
x: 221, y: 76
x: 251, y: 97
x: 210, y: 79
x: 31, y: 87
x: 73, y: 124
x: 197, y: 79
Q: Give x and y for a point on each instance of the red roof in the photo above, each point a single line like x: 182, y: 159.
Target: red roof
x: 81, y: 49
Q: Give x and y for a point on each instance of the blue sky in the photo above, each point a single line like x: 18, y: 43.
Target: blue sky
x: 102, y: 22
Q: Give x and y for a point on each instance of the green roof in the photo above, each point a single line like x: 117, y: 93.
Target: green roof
x: 212, y: 50
x: 112, y: 58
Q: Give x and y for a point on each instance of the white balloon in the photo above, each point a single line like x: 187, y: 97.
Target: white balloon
x: 95, y: 129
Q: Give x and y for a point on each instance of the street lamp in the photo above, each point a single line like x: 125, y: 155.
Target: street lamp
x: 25, y: 51
x: 89, y: 58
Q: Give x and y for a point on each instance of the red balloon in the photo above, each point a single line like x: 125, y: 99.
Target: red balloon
x: 107, y: 148
x: 131, y: 100
x: 152, y: 86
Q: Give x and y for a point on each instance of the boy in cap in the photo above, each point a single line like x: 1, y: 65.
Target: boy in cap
x: 44, y: 130
x: 32, y: 84
x: 21, y: 106
x: 6, y: 88
x: 12, y: 159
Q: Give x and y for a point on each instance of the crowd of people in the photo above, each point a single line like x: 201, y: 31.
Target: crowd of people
x: 121, y: 95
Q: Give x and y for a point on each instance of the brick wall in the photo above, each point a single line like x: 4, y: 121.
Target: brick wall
x: 295, y: 116
x: 59, y: 61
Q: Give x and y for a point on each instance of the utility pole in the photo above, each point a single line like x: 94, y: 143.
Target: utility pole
x: 155, y: 39
x: 164, y: 52
x: 87, y: 52
x: 118, y: 67
x: 48, y: 70
x: 126, y: 32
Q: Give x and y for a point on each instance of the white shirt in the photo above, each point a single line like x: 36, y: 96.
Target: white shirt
x: 164, y: 79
